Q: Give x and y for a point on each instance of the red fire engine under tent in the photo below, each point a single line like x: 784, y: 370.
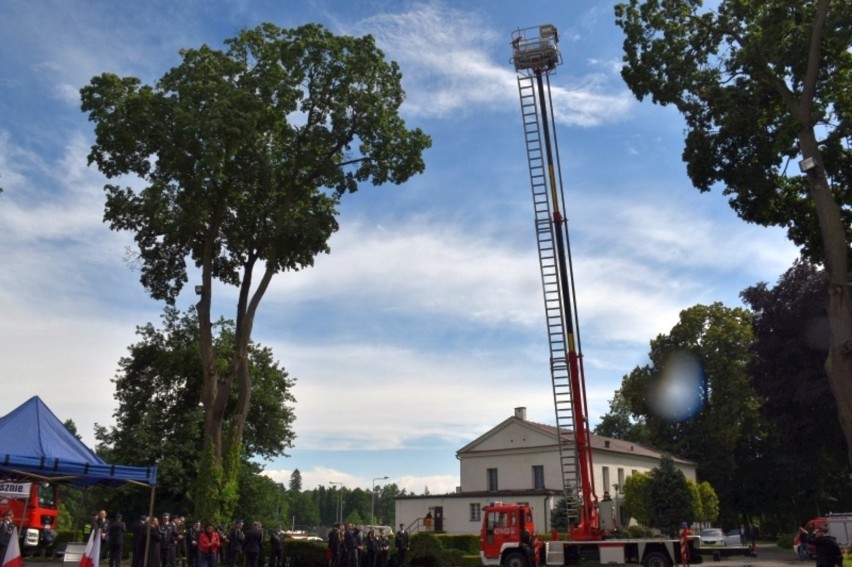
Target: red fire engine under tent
x: 35, y: 444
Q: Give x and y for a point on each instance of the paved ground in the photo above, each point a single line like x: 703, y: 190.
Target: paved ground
x: 767, y: 555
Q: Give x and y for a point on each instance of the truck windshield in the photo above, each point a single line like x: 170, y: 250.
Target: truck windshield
x: 46, y: 495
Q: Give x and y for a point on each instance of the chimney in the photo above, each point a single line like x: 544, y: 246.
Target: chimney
x: 521, y: 413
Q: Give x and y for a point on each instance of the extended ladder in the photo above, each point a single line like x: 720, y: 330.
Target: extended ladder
x: 550, y: 263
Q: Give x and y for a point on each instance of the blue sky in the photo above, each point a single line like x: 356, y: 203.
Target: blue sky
x: 424, y: 327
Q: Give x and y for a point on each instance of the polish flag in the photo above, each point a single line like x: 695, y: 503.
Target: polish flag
x: 92, y: 555
x: 13, y: 551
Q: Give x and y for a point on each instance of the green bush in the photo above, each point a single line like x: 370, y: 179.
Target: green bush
x: 426, y: 551
x: 305, y: 553
x: 467, y: 543
x: 638, y: 532
x: 785, y: 540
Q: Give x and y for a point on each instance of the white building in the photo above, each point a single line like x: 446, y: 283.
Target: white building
x: 518, y: 461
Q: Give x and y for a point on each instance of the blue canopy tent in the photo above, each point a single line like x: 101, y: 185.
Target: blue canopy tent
x: 35, y: 444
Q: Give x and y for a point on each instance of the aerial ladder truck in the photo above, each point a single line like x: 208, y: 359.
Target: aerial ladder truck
x: 508, y: 536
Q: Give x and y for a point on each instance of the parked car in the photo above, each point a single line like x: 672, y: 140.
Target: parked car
x: 733, y: 538
x: 711, y: 536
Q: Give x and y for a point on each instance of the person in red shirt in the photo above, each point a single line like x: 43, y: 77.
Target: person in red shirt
x: 684, y: 534
x: 208, y: 546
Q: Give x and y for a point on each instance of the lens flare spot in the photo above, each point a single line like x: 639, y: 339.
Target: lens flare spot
x: 677, y: 395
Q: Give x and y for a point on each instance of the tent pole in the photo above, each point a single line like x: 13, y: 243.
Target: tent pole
x: 148, y: 527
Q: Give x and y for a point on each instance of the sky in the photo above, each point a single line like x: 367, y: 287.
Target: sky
x: 424, y: 326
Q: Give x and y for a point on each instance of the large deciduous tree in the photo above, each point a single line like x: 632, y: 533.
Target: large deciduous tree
x: 158, y: 421
x: 706, y: 356
x: 763, y: 84
x: 246, y: 154
x: 791, y: 337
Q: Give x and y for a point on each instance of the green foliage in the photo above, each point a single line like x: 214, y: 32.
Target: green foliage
x: 470, y: 561
x: 426, y: 550
x: 232, y: 184
x: 206, y: 495
x: 296, y: 481
x: 638, y: 532
x: 633, y: 504
x: 467, y: 543
x: 230, y: 170
x: 804, y: 440
x: 304, y: 511
x: 722, y: 433
x: 709, y: 503
x: 305, y: 553
x: 738, y: 73
x: 559, y: 515
x: 231, y: 464
x: 667, y: 497
x: 161, y: 379
x: 619, y: 423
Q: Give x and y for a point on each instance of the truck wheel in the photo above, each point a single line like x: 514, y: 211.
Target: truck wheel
x: 515, y: 560
x: 657, y: 559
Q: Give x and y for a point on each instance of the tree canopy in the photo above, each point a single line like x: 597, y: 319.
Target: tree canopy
x: 245, y: 154
x: 705, y: 355
x: 667, y: 497
x: 803, y: 435
x: 763, y: 84
x: 158, y: 419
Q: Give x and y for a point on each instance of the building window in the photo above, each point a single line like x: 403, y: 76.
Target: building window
x: 605, y: 471
x: 621, y: 477
x: 538, y: 477
x: 492, y: 480
x: 475, y: 512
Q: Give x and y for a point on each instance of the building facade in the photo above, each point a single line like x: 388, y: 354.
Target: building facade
x: 518, y: 461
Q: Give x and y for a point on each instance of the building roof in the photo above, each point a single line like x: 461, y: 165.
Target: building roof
x: 599, y: 443
x: 493, y: 495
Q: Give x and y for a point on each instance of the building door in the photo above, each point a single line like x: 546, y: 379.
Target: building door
x: 439, y: 519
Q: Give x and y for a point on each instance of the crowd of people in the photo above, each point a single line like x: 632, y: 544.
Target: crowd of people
x: 351, y: 546
x: 169, y: 541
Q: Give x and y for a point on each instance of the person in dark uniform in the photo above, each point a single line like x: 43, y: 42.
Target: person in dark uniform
x: 140, y: 535
x: 276, y: 539
x: 401, y: 545
x: 168, y: 549
x: 180, y: 541
x: 236, y: 539
x: 825, y: 548
x: 335, y: 545
x: 253, y: 544
x: 192, y: 536
x: 155, y: 540
x: 7, y: 527
x: 115, y: 539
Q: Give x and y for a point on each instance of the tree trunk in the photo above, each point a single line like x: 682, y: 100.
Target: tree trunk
x: 838, y: 365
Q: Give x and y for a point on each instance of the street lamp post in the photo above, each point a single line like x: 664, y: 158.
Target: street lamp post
x: 339, y: 501
x: 373, y: 500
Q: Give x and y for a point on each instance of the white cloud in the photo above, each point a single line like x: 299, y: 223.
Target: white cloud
x: 452, y: 63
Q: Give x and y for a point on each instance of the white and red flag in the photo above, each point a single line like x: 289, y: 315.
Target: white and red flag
x: 93, y: 550
x: 13, y: 551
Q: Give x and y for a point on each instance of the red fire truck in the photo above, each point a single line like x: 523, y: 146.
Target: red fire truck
x: 508, y: 536
x: 35, y: 506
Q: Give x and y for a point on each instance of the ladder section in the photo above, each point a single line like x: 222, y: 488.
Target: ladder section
x: 545, y: 228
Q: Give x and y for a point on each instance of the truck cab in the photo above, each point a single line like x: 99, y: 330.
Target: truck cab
x: 508, y: 536
x: 35, y: 507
